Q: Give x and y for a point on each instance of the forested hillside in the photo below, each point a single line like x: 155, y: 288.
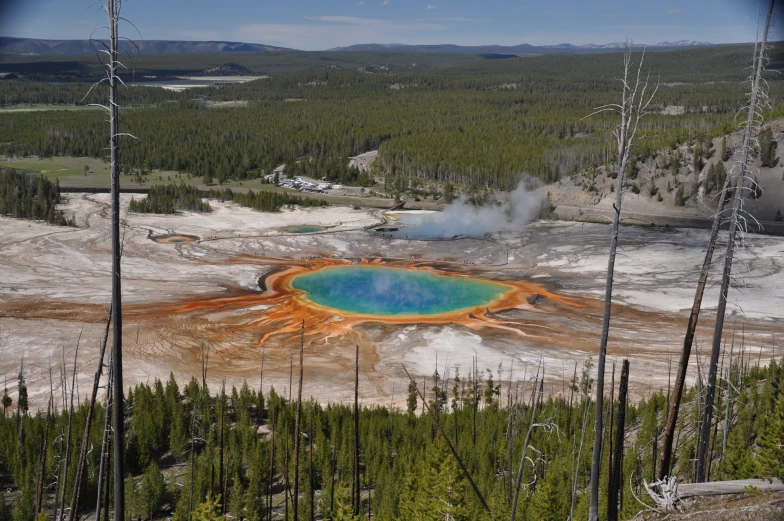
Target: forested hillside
x: 86, y: 68
x: 235, y: 452
x: 481, y: 124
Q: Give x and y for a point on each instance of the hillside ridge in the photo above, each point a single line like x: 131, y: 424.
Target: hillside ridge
x: 33, y: 46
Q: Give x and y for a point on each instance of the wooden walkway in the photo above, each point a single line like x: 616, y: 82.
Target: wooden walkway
x: 737, y: 486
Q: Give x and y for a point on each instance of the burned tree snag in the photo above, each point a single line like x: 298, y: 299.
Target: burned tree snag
x: 73, y: 513
x: 356, y: 485
x: 298, y: 426
x: 615, y: 481
x: 735, y: 227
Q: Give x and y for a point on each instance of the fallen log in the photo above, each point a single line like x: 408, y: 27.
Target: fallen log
x: 738, y: 486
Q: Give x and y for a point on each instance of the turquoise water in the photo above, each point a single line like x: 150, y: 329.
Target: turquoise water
x: 304, y: 229
x: 373, y: 290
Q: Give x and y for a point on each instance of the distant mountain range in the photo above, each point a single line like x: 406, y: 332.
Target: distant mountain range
x: 31, y: 46
x: 80, y: 47
x: 522, y: 49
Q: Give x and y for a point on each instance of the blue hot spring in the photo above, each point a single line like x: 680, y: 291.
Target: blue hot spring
x: 375, y: 290
x: 307, y: 228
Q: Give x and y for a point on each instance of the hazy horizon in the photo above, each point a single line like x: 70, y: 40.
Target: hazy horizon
x: 312, y: 25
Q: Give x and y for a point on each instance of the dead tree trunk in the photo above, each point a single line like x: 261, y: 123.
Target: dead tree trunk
x: 356, y: 485
x: 260, y: 416
x: 286, y: 492
x: 105, y: 458
x: 311, y: 492
x: 571, y: 397
x: 333, y: 468
x: 68, y: 437
x: 691, y: 328
x: 610, y: 427
x: 728, y: 410
x: 58, y: 475
x: 205, y: 360
x: 271, y: 466
x: 576, y: 466
x: 118, y: 413
x: 39, y: 491
x: 298, y: 426
x: 475, y: 400
x: 88, y: 424
x: 531, y: 423
x: 615, y: 474
x: 510, y: 446
x: 632, y: 108
x: 221, y: 483
x: 193, y: 460
x: 737, y: 201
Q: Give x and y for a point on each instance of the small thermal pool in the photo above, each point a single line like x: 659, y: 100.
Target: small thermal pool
x: 173, y: 238
x: 307, y: 228
x: 375, y: 290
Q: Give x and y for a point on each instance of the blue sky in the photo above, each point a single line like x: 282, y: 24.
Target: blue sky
x: 322, y: 24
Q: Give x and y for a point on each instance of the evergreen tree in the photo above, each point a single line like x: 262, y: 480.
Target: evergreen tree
x: 344, y: 510
x: 442, y: 492
x: 152, y: 491
x: 178, y: 430
x: 491, y: 390
x: 717, y: 176
x: 549, y: 503
x: 726, y: 151
x: 21, y: 400
x: 439, y: 394
x: 411, y: 402
x: 235, y: 497
x: 209, y: 510
x: 456, y: 383
x: 697, y: 159
x: 7, y: 401
x: 740, y: 461
x: 772, y: 443
x: 131, y: 498
x: 679, y: 196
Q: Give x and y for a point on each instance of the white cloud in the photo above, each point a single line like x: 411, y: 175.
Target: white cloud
x: 431, y: 6
x: 361, y: 4
x: 460, y: 19
x: 674, y: 11
x: 385, y: 2
x: 343, y: 19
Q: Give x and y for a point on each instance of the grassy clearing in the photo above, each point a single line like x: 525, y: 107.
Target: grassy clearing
x: 40, y: 107
x: 227, y: 104
x: 63, y: 168
x: 70, y: 171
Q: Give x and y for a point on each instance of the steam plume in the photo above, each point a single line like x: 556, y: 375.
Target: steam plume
x: 464, y: 219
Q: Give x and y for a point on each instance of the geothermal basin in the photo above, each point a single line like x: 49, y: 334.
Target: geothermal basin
x: 504, y: 304
x: 376, y: 290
